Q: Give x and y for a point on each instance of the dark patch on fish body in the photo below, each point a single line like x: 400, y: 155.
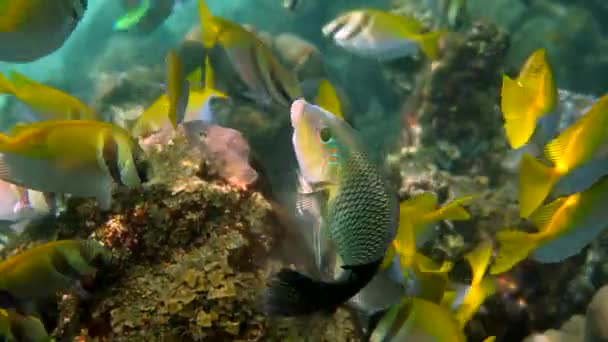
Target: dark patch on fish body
x: 110, y: 157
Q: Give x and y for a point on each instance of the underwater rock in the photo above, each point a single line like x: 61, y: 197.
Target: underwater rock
x: 596, y: 326
x: 461, y: 125
x: 571, y: 331
x: 572, y: 32
x: 122, y: 96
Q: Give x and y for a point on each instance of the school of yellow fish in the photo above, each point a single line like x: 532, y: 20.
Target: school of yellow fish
x: 65, y: 149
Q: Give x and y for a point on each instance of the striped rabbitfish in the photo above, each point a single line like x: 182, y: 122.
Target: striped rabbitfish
x: 40, y: 272
x: 382, y: 35
x: 361, y: 212
x: 265, y: 79
x: 78, y: 157
x: 31, y: 29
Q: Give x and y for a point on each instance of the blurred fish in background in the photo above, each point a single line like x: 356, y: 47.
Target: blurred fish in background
x: 31, y: 29
x: 145, y: 16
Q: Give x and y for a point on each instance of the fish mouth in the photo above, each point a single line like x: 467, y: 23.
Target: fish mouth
x: 297, y: 111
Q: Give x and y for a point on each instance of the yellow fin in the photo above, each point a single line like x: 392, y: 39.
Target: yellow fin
x: 6, y: 87
x: 454, y: 211
x: 489, y: 339
x: 429, y: 43
x: 473, y: 300
x: 578, y: 143
x: 535, y: 182
x: 515, y: 246
x: 405, y: 243
x: 388, y: 257
x: 328, y: 99
x: 479, y: 259
x: 19, y: 80
x: 424, y: 202
x: 543, y: 215
x: 206, y: 20
x: 515, y: 104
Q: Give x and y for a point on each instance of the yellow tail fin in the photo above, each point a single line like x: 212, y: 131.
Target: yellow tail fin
x: 328, y: 99
x: 515, y: 246
x: 429, y: 43
x: 535, y: 182
x: 479, y: 259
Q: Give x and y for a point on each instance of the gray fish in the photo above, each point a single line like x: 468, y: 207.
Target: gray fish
x: 361, y: 212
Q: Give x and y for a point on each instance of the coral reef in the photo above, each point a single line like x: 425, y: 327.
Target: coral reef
x: 191, y: 260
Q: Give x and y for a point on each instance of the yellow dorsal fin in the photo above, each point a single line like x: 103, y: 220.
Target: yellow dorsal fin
x: 424, y: 202
x: 479, y: 259
x: 534, y: 69
x: 514, y: 246
x: 328, y: 99
x: 543, y: 215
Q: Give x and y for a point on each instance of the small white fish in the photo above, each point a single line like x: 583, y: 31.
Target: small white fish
x: 382, y: 35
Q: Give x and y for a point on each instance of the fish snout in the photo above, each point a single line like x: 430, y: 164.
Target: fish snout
x: 297, y: 110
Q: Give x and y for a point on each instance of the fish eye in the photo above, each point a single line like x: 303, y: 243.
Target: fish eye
x: 325, y: 134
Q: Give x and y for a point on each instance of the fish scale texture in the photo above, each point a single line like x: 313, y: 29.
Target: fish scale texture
x: 360, y: 216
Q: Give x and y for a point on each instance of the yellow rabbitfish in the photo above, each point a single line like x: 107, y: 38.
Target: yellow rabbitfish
x: 565, y: 226
x: 527, y: 98
x: 382, y: 35
x: 31, y: 29
x: 48, y: 103
x: 574, y: 147
x: 78, y: 157
x: 156, y: 116
x: 40, y: 272
x: 266, y: 80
